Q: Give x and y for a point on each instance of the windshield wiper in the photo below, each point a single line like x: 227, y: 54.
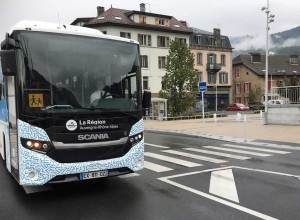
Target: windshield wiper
x: 114, y: 110
x: 42, y: 119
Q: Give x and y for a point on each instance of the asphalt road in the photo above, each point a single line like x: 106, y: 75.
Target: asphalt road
x: 184, y: 178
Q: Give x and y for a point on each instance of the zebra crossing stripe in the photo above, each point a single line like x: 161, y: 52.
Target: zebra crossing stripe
x: 155, y: 145
x: 238, y: 151
x: 218, y: 154
x: 257, y: 149
x: 172, y: 160
x: 198, y: 157
x: 156, y: 167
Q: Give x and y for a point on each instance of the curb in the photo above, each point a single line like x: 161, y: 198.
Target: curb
x: 291, y: 146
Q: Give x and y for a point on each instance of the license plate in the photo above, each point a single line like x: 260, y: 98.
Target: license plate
x: 93, y: 175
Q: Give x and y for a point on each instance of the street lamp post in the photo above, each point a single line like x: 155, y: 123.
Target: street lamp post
x: 269, y: 20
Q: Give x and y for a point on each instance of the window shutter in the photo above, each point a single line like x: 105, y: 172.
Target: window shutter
x: 168, y: 41
x: 156, y: 21
x: 149, y: 40
x: 249, y: 87
x: 146, y: 61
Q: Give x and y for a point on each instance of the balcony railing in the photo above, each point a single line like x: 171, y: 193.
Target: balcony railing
x: 288, y: 94
x: 213, y: 66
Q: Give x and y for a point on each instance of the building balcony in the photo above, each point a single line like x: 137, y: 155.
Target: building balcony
x: 213, y: 66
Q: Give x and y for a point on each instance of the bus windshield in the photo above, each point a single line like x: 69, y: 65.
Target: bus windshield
x: 71, y: 74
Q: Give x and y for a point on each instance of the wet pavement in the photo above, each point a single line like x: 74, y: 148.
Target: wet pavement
x: 184, y: 178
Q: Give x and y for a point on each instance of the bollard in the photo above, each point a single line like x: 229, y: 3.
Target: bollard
x: 215, y: 117
x: 238, y: 117
x: 245, y: 128
x: 261, y: 114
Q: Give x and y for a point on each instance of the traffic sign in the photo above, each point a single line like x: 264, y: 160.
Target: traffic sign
x: 202, y: 86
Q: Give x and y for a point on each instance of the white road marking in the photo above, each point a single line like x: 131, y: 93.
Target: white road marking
x: 216, y: 199
x: 155, y: 145
x: 222, y: 201
x: 238, y: 151
x: 218, y: 154
x: 257, y: 149
x: 172, y: 160
x: 156, y: 167
x: 222, y: 184
x: 128, y: 175
x: 198, y: 157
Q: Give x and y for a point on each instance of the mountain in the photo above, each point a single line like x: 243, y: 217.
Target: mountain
x: 281, y: 37
x: 283, y: 43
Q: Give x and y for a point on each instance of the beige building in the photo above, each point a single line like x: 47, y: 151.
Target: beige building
x: 212, y: 54
x: 153, y: 31
x: 249, y: 75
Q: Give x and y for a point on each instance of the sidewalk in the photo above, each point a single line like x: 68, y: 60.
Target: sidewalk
x: 252, y: 130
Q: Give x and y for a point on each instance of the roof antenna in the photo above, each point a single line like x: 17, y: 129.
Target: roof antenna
x: 58, y: 20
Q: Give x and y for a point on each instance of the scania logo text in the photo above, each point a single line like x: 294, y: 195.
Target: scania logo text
x: 88, y: 137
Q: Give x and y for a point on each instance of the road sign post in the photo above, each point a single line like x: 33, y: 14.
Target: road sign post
x: 202, y: 88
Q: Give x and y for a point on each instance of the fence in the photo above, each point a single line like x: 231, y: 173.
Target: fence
x: 289, y: 94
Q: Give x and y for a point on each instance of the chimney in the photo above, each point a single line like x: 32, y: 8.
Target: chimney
x: 217, y: 36
x: 255, y: 57
x: 294, y: 60
x: 143, y: 7
x: 184, y: 23
x: 100, y: 10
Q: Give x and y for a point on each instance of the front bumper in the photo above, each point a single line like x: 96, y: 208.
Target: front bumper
x: 39, y: 169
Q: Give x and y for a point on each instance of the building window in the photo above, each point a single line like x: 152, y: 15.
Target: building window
x: 144, y: 39
x: 142, y: 19
x: 222, y: 42
x: 163, y: 41
x: 125, y: 35
x: 211, y: 58
x: 212, y: 78
x: 211, y: 41
x: 223, y: 60
x: 198, y: 39
x: 161, y: 21
x: 237, y: 73
x: 238, y: 99
x: 146, y: 82
x: 181, y: 40
x: 162, y: 61
x: 238, y: 88
x: 247, y: 87
x: 199, y: 58
x: 199, y: 76
x: 144, y: 61
x: 223, y: 77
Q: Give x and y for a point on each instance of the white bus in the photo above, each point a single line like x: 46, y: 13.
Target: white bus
x: 71, y: 104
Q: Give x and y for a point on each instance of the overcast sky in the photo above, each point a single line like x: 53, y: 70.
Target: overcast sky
x: 234, y: 17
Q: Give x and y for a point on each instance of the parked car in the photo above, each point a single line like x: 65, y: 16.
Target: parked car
x: 256, y: 106
x: 275, y: 102
x: 237, y: 107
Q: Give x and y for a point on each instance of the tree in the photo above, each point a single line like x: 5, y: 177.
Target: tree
x: 179, y: 84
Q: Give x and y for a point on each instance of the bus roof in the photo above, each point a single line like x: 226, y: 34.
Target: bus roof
x: 63, y: 29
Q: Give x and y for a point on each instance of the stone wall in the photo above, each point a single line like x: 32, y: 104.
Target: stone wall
x: 284, y: 114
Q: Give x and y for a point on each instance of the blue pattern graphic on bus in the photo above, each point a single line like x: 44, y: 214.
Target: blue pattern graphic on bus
x: 47, y: 168
x: 137, y: 128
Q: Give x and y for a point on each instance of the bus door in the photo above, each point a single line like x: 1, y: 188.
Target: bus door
x: 11, y: 103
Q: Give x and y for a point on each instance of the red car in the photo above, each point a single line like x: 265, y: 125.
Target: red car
x: 237, y: 107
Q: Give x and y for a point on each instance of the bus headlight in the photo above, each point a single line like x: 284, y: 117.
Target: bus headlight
x: 135, y: 139
x: 36, y: 145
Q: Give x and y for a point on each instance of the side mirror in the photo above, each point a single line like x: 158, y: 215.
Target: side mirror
x: 8, y: 62
x: 146, y: 99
